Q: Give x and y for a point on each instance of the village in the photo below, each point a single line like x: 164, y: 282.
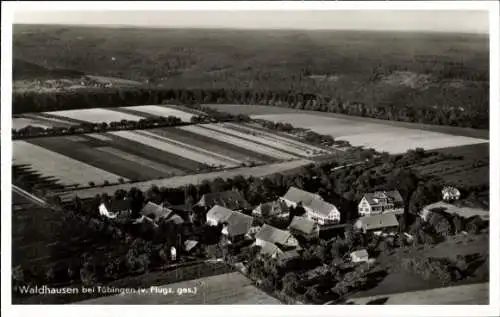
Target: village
x: 284, y: 231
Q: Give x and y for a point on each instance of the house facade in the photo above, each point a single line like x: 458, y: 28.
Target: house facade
x: 450, y: 193
x: 115, y: 208
x: 316, y: 208
x: 359, y: 256
x: 381, y: 202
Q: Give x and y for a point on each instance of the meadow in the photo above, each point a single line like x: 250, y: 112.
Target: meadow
x: 224, y: 289
x: 381, y: 135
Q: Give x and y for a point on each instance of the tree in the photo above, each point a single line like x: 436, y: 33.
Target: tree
x: 290, y: 283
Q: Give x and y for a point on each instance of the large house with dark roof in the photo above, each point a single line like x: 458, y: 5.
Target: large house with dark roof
x: 155, y: 211
x: 316, y: 208
x: 381, y: 202
x: 304, y: 227
x: 276, y: 236
x: 276, y: 208
x: 230, y: 199
x: 235, y: 224
x: 377, y: 223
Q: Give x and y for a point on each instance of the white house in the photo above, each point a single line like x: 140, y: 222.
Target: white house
x: 359, y: 256
x: 316, y: 208
x: 450, y: 193
x: 381, y: 202
x: 114, y: 208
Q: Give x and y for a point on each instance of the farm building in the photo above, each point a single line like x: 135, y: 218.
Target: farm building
x: 274, y: 208
x: 174, y: 218
x: 230, y: 199
x: 235, y: 223
x: 377, y: 223
x: 316, y: 208
x: 450, y: 193
x: 466, y: 212
x: 359, y: 256
x: 381, y: 202
x: 304, y: 227
x: 155, y: 211
x: 276, y: 236
x: 115, y: 208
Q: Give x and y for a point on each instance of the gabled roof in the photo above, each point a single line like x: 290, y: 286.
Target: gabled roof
x: 238, y: 223
x: 220, y: 213
x: 272, y: 207
x: 155, y: 211
x: 392, y: 196
x: 273, y: 235
x: 302, y: 224
x: 360, y: 253
x: 378, y: 221
x: 190, y: 244
x: 298, y: 195
x: 269, y: 248
x: 322, y: 207
x: 230, y: 199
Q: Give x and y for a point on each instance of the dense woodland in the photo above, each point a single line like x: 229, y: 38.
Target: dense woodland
x: 417, y: 77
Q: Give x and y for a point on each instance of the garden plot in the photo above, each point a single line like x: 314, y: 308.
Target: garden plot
x: 164, y: 145
x: 69, y: 171
x: 161, y: 111
x: 95, y: 115
x: 392, y: 139
x: 240, y: 142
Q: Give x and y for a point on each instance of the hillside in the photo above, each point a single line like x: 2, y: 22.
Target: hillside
x: 379, y: 70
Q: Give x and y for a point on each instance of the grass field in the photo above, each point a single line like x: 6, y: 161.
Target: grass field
x: 161, y: 111
x: 224, y: 289
x: 399, y: 280
x: 19, y: 123
x: 178, y: 181
x: 66, y: 169
x: 475, y: 294
x: 95, y: 115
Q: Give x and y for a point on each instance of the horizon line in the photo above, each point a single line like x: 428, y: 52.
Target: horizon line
x: 130, y: 26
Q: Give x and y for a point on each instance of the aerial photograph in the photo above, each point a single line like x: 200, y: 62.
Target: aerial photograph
x: 261, y: 158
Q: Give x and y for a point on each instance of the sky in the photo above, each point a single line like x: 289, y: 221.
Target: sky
x: 427, y: 21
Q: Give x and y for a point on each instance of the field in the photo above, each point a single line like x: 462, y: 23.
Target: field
x: 178, y: 181
x: 141, y: 155
x: 381, y: 135
x: 398, y: 280
x: 224, y: 289
x: 475, y: 294
x: 66, y: 118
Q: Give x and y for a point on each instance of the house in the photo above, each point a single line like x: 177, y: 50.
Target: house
x: 450, y: 193
x: 274, y: 208
x: 115, y: 208
x: 176, y: 219
x: 230, y: 199
x: 276, y: 236
x: 234, y: 223
x: 218, y: 215
x: 155, y: 211
x: 359, y: 256
x: 237, y: 225
x: 269, y: 249
x: 465, y: 212
x: 377, y: 223
x: 381, y: 202
x: 304, y: 227
x: 316, y: 208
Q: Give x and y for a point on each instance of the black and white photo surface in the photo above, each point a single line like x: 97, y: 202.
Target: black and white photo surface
x: 272, y: 157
